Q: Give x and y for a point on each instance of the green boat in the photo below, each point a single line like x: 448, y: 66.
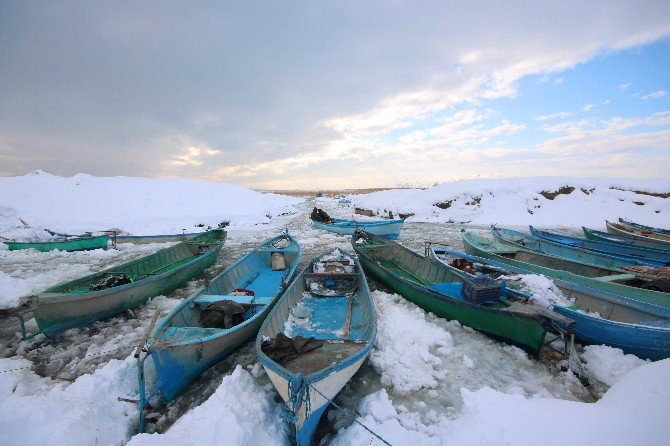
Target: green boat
x: 591, y: 276
x: 114, y: 290
x: 78, y: 243
x: 509, y: 316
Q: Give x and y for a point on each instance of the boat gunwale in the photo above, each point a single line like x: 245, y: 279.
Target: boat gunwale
x: 317, y: 376
x: 165, y: 344
x: 47, y: 297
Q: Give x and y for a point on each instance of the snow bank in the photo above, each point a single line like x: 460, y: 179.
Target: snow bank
x: 137, y: 205
x: 35, y: 410
x: 633, y: 411
x: 239, y: 412
x: 541, y: 201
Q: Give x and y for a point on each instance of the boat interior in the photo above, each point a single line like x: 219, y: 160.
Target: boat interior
x: 326, y: 304
x: 236, y: 295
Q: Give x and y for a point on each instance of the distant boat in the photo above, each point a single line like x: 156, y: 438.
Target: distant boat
x: 480, y: 303
x: 317, y: 337
x: 344, y: 202
x: 119, y: 288
x: 218, y: 318
x: 597, y: 277
x: 384, y: 228
x: 644, y: 227
x: 72, y: 243
x: 635, y: 327
x: 648, y: 256
x: 639, y: 236
x: 163, y: 238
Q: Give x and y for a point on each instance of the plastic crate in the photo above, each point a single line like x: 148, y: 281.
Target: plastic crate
x: 481, y: 290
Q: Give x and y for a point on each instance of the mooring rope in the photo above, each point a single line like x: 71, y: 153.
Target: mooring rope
x: 346, y: 412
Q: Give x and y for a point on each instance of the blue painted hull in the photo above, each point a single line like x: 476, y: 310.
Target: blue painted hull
x: 309, y: 386
x: 635, y: 327
x: 648, y: 256
x: 384, y: 228
x: 181, y: 348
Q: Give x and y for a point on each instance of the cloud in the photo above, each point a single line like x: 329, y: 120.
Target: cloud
x: 558, y: 81
x: 190, y: 156
x: 558, y: 115
x: 588, y: 107
x: 623, y: 87
x: 655, y: 95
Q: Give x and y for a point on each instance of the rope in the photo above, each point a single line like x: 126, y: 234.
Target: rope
x: 351, y: 417
x: 85, y: 356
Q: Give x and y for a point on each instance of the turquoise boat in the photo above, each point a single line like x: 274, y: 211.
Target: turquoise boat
x: 571, y: 253
x: 384, y: 228
x: 638, y: 236
x: 317, y: 337
x: 593, y: 276
x: 114, y: 290
x: 647, y: 256
x: 644, y: 227
x: 73, y: 243
x: 217, y: 319
x: 499, y: 313
x: 635, y: 327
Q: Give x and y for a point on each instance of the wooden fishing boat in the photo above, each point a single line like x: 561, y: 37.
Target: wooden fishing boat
x: 644, y: 227
x: 492, y: 309
x: 218, y: 318
x: 162, y: 238
x: 570, y: 253
x: 72, y: 243
x: 638, y: 236
x: 384, y: 228
x: 635, y: 327
x: 114, y: 290
x: 647, y: 256
x: 317, y: 337
x: 599, y: 278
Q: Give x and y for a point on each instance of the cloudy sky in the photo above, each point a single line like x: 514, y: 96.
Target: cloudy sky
x: 283, y: 94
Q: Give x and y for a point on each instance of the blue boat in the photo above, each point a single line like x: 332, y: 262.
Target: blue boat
x: 218, y: 318
x: 326, y: 320
x: 635, y: 327
x: 384, y: 228
x: 644, y: 227
x: 571, y: 253
x: 647, y: 256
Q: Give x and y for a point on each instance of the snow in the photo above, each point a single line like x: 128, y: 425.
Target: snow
x: 137, y: 205
x: 239, y: 412
x: 518, y: 202
x: 36, y: 410
x: 429, y: 381
x: 633, y: 411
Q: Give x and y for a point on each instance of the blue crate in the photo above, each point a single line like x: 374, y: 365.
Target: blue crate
x: 481, y: 290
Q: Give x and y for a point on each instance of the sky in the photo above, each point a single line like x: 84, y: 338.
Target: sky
x: 335, y: 94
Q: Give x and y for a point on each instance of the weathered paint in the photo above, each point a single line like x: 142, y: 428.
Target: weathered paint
x: 636, y: 327
x: 384, y: 228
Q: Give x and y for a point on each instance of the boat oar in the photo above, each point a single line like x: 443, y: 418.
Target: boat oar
x: 147, y: 333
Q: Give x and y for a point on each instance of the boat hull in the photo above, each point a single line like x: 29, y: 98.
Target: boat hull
x: 80, y: 244
x: 55, y: 312
x: 635, y: 236
x: 643, y: 340
x: 647, y: 256
x: 388, y: 229
x: 525, y: 332
x: 144, y: 239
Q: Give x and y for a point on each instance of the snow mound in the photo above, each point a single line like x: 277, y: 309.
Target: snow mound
x: 633, y: 411
x: 239, y: 412
x: 36, y: 410
x: 137, y: 205
x: 541, y: 201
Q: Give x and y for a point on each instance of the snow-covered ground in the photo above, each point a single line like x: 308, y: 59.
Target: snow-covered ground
x: 541, y: 201
x: 428, y: 381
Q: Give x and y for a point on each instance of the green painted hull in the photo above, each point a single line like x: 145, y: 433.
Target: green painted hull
x: 411, y: 276
x: 74, y: 303
x: 494, y: 250
x: 76, y: 244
